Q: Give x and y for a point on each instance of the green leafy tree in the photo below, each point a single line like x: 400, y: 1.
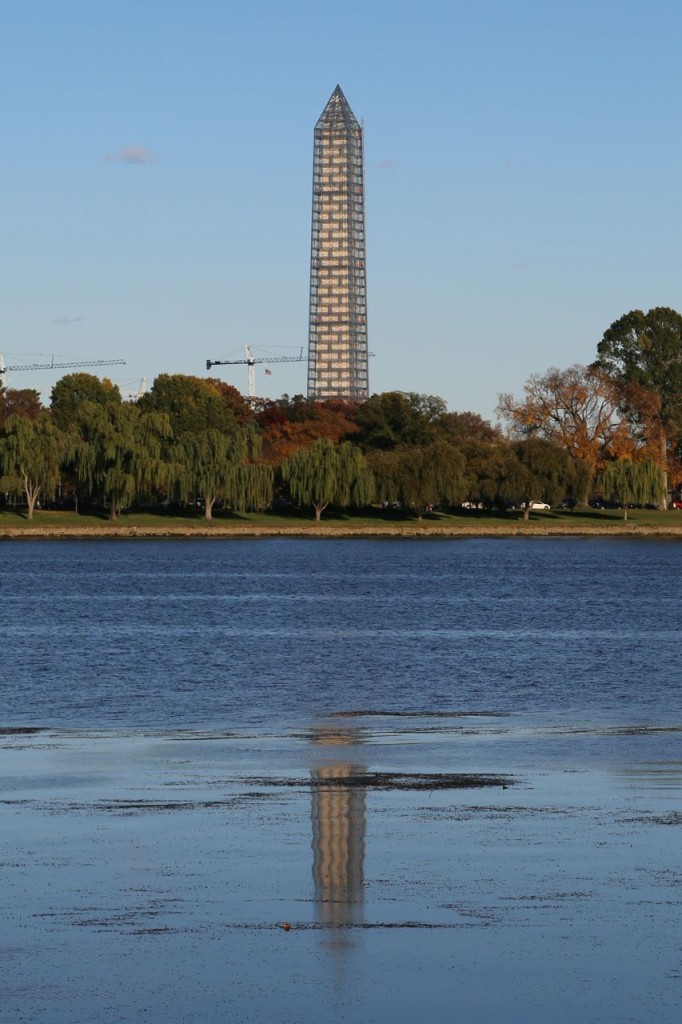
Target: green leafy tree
x: 121, y: 452
x: 191, y: 404
x: 253, y: 489
x: 327, y: 474
x: 216, y: 445
x: 397, y: 418
x: 233, y: 398
x: 67, y: 400
x: 72, y: 391
x: 213, y: 465
x: 31, y: 454
x: 489, y: 475
x: 420, y: 477
x: 627, y: 483
x: 461, y: 428
x: 539, y: 471
x: 642, y: 354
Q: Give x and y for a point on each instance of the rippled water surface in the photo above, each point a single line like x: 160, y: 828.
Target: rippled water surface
x: 250, y: 632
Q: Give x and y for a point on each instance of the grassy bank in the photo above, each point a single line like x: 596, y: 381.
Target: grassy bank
x: 381, y: 523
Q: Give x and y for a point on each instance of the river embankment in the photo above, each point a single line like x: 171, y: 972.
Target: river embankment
x: 216, y: 530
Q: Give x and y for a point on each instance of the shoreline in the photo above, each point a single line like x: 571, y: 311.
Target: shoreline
x: 625, y: 529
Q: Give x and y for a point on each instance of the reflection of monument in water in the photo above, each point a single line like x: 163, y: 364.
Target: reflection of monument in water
x: 338, y: 819
x: 338, y: 843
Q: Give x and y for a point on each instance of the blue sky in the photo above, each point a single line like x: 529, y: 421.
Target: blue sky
x: 523, y: 169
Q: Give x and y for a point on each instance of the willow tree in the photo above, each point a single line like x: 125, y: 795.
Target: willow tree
x: 419, y: 477
x: 628, y: 483
x: 327, y: 474
x: 490, y: 475
x: 121, y: 452
x: 214, y: 465
x: 31, y: 455
x: 540, y: 471
x: 253, y: 487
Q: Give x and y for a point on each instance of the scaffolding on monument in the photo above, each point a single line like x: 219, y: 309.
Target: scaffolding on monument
x: 337, y: 335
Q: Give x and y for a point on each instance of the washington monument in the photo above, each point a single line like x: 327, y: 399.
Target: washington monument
x: 337, y: 337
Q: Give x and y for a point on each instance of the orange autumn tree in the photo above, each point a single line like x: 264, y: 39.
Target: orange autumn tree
x: 577, y: 409
x: 655, y: 437
x: 22, y: 402
x: 291, y: 424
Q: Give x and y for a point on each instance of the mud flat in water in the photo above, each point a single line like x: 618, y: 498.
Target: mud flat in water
x: 366, y: 869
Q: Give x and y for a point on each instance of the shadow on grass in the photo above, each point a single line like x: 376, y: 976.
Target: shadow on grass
x: 192, y: 517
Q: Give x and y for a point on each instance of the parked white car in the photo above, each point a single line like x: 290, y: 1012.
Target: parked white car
x: 538, y: 505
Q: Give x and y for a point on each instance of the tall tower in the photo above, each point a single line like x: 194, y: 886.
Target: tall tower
x: 337, y: 337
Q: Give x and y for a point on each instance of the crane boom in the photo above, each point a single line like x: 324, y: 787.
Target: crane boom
x: 59, y: 366
x: 251, y: 361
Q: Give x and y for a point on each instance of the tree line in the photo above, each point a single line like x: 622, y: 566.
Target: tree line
x: 614, y: 425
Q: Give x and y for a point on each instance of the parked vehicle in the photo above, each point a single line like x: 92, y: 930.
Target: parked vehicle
x: 536, y: 506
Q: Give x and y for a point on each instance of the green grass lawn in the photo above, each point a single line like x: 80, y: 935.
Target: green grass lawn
x: 464, y: 520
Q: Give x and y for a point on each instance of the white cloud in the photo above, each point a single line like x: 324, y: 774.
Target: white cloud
x: 132, y: 155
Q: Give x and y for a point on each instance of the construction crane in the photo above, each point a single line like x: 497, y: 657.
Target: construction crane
x: 250, y: 362
x: 134, y: 396
x: 58, y: 366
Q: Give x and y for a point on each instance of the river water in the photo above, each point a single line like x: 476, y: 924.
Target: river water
x: 350, y: 780
x: 272, y: 632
